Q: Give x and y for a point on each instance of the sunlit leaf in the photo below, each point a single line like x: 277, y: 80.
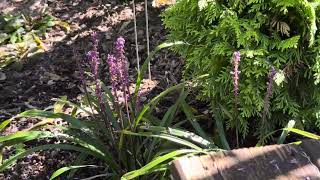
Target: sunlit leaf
x: 164, y: 136
x: 284, y: 133
x: 65, y: 169
x: 203, y: 3
x: 57, y: 108
x: 157, y: 162
x: 5, y: 123
x: 38, y: 41
x: 63, y: 24
x: 279, y: 77
x: 303, y: 133
x: 13, y: 38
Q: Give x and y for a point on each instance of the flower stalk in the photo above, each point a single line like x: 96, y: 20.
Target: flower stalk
x: 119, y: 73
x: 236, y: 72
x: 94, y: 60
x: 268, y: 95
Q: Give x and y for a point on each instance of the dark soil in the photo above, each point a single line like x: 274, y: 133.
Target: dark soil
x: 35, y: 81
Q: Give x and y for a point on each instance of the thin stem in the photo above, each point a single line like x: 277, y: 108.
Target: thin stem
x: 136, y: 33
x: 83, y: 81
x: 237, y: 122
x: 125, y: 91
x: 237, y: 137
x: 147, y: 35
x: 118, y: 109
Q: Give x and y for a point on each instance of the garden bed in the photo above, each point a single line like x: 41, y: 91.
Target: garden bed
x: 245, y: 81
x: 54, y: 73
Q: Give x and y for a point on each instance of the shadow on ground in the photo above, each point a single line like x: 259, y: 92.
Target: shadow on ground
x: 54, y: 73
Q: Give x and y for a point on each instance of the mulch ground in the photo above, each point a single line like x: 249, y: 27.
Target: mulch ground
x: 54, y: 73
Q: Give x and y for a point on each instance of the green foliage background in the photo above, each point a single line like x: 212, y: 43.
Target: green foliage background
x: 279, y: 33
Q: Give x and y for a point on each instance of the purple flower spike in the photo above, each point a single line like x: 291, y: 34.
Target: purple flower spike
x: 271, y: 75
x: 118, y: 68
x: 94, y: 60
x: 236, y: 72
x: 237, y: 56
x: 120, y: 44
x: 118, y: 72
x: 113, y: 71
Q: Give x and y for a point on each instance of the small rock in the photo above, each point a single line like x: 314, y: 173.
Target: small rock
x: 51, y: 82
x: 2, y: 76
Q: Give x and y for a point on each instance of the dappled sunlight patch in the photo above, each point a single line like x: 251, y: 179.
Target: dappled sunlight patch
x: 147, y: 85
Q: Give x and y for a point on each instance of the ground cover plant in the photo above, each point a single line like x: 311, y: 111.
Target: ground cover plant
x: 117, y: 129
x: 261, y: 57
x: 20, y: 35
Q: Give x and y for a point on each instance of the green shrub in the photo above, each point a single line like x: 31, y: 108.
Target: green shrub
x: 280, y: 34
